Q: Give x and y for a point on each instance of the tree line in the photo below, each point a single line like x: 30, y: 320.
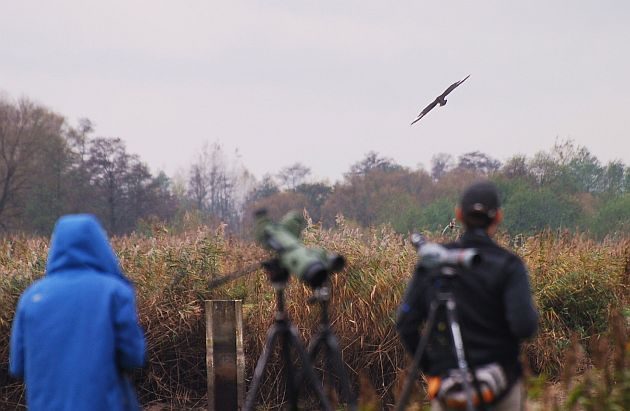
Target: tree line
x: 49, y: 168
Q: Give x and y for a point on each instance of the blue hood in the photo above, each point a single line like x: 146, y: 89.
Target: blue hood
x: 79, y: 243
x: 75, y: 329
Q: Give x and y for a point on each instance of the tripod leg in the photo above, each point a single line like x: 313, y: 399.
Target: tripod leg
x: 314, y: 345
x: 291, y: 388
x: 336, y: 364
x: 313, y: 349
x: 250, y: 401
x: 462, y: 364
x: 307, y: 369
x: 415, y: 365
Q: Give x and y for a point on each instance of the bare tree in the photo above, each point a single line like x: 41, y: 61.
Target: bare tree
x: 265, y: 188
x: 207, y: 179
x: 217, y: 186
x: 25, y: 129
x: 441, y: 163
x: 477, y: 161
x: 123, y: 187
x: 108, y: 166
x: 198, y: 185
x: 294, y: 175
x: 371, y: 162
x: 79, y: 138
x: 516, y: 167
x: 613, y: 177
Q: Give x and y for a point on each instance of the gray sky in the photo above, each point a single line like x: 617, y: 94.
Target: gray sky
x: 324, y: 82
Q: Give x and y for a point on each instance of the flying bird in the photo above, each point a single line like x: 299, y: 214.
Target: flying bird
x: 441, y: 100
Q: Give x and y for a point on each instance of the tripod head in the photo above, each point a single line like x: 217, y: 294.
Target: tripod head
x: 277, y: 274
x: 320, y: 294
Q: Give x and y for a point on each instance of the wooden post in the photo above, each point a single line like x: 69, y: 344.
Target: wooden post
x: 225, y: 359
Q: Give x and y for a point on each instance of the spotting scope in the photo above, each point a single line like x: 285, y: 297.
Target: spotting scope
x: 310, y: 265
x: 434, y: 255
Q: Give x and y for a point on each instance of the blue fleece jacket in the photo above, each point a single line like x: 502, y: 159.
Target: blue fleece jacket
x: 76, y: 330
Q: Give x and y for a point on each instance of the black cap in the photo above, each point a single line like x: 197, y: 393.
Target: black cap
x: 480, y: 200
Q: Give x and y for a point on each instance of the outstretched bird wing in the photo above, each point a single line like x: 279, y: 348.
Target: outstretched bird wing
x: 453, y: 87
x: 437, y: 100
x: 425, y: 111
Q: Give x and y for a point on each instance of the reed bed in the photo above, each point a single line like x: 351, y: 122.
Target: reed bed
x: 578, y: 285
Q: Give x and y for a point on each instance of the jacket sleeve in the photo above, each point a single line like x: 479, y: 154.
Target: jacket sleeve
x: 16, y: 357
x: 412, y: 312
x: 129, y: 338
x: 520, y: 311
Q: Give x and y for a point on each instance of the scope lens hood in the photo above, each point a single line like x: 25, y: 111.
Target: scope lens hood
x: 336, y: 262
x: 475, y: 259
x: 315, y: 274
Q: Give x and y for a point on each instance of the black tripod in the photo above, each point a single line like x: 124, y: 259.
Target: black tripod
x: 283, y: 329
x: 325, y: 339
x: 444, y: 298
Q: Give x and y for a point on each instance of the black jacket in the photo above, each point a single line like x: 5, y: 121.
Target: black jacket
x: 494, y: 307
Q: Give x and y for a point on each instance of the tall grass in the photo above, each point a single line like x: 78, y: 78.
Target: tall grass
x: 577, y: 283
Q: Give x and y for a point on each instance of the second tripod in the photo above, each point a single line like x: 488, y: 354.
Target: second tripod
x: 287, y: 334
x: 325, y: 341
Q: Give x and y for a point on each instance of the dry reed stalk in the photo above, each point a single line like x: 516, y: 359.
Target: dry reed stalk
x: 569, y: 274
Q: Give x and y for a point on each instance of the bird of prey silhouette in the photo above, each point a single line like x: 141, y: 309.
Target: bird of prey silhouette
x: 441, y: 100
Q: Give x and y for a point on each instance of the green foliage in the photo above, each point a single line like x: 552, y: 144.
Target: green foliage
x: 580, y: 300
x: 528, y: 211
x: 316, y: 195
x: 437, y: 215
x: 508, y: 187
x: 378, y: 195
x: 402, y: 212
x: 613, y: 217
x: 565, y: 187
x: 405, y: 215
x: 576, y: 282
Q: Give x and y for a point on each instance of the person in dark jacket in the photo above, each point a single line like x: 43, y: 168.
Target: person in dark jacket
x: 494, y: 307
x: 75, y: 332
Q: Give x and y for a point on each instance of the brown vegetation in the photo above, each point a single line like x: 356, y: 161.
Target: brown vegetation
x: 577, y: 283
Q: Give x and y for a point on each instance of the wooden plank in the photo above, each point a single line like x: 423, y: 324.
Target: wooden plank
x: 225, y: 358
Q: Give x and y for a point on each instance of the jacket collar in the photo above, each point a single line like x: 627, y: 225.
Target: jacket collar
x: 476, y: 236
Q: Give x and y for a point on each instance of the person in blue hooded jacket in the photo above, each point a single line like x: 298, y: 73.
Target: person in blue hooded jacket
x: 75, y: 332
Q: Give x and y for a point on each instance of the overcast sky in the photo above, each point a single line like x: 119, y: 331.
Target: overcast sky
x: 324, y: 82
